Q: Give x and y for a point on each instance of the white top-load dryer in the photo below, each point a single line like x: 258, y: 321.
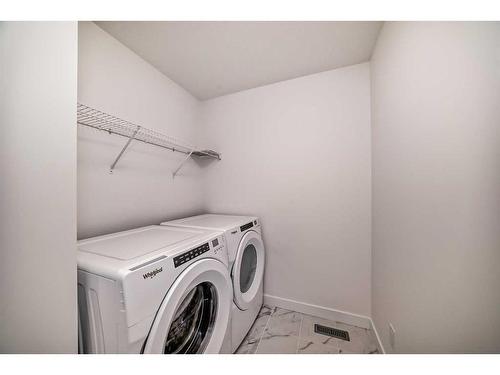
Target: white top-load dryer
x: 155, y: 289
x: 246, y: 264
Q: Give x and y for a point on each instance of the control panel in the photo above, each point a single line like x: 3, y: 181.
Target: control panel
x: 248, y: 226
x: 191, y: 254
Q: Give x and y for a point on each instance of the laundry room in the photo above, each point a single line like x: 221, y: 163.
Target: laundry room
x: 322, y: 116
x: 250, y: 187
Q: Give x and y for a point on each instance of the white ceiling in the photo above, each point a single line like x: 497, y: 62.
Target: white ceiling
x: 210, y: 59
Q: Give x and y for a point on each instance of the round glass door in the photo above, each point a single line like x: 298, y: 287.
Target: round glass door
x: 248, y: 267
x: 248, y: 270
x: 194, y: 315
x: 193, y: 321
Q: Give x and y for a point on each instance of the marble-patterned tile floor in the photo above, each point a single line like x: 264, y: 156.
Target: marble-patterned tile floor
x: 280, y: 331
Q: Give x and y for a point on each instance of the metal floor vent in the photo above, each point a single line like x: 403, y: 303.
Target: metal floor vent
x: 333, y: 332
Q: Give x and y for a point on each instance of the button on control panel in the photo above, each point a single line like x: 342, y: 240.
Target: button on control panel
x: 191, y: 254
x: 218, y: 244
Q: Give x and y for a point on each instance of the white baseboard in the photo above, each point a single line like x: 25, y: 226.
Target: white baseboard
x: 320, y: 311
x: 372, y: 324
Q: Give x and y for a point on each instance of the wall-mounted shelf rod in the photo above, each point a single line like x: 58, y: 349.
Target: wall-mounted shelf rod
x: 96, y: 119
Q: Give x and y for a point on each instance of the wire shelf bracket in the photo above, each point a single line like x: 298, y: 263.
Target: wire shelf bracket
x: 99, y: 120
x: 123, y: 150
x: 182, y: 163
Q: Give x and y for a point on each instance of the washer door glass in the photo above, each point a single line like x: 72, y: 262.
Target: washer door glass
x: 193, y: 321
x: 248, y: 270
x: 248, y: 267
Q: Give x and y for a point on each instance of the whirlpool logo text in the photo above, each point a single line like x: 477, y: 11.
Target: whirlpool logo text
x: 153, y: 273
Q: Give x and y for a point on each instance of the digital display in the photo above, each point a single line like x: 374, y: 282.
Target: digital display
x: 215, y: 242
x: 246, y: 226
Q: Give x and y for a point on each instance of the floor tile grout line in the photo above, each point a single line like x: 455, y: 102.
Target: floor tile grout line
x: 300, y: 333
x: 264, y: 330
x: 251, y: 328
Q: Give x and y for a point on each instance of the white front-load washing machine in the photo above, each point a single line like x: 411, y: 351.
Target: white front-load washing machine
x: 246, y: 264
x: 154, y: 289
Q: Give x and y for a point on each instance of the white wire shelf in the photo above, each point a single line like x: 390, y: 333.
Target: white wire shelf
x: 96, y: 119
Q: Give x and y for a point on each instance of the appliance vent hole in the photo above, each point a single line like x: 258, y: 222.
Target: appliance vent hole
x: 333, y: 332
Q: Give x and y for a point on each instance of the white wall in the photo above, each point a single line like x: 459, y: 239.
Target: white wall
x: 38, y: 79
x: 141, y: 191
x: 297, y: 154
x: 323, y: 117
x: 436, y: 185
